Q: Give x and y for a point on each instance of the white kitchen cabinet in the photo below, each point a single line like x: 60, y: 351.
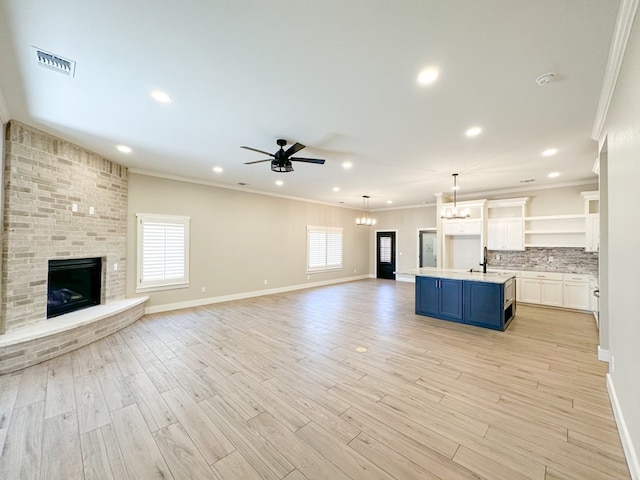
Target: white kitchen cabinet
x: 551, y: 293
x: 462, y: 226
x: 592, y: 243
x: 544, y: 288
x: 576, y: 291
x: 505, y: 234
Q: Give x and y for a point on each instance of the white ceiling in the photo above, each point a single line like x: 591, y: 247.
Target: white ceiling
x: 338, y: 76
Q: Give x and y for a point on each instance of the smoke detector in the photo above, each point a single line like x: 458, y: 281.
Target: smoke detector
x: 54, y: 62
x: 545, y: 78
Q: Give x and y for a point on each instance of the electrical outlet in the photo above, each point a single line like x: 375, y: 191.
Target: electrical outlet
x: 115, y: 266
x: 550, y: 259
x: 92, y: 210
x: 498, y: 257
x: 265, y: 282
x: 74, y: 207
x: 203, y: 289
x: 355, y: 270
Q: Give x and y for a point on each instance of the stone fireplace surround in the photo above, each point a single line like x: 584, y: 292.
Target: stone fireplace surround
x: 50, y: 186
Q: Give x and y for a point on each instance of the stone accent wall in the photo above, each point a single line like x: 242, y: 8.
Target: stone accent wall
x: 565, y: 260
x: 43, y: 177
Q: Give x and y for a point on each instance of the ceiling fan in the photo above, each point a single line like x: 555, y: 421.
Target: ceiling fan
x: 282, y: 159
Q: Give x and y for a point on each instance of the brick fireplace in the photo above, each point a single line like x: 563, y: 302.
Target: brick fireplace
x: 60, y: 202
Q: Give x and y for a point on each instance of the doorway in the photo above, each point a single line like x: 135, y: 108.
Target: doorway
x: 386, y: 255
x: 428, y: 256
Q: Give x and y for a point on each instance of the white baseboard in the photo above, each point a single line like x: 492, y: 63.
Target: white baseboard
x: 603, y: 355
x: 239, y: 296
x: 627, y: 444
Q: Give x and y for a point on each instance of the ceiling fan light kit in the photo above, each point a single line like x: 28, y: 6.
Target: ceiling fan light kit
x: 449, y: 212
x: 282, y: 159
x: 366, y: 219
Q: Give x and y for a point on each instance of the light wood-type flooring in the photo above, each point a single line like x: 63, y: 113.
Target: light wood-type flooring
x: 274, y: 388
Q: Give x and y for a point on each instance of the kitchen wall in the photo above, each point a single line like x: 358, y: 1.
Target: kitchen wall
x: 567, y: 260
x: 551, y: 201
x: 621, y: 134
x: 240, y: 239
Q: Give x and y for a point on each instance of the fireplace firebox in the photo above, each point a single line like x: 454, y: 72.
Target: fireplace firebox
x: 73, y: 284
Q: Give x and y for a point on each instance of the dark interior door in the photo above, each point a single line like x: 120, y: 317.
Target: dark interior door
x: 386, y: 255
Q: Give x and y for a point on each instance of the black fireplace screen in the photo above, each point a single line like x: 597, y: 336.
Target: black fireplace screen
x: 73, y: 284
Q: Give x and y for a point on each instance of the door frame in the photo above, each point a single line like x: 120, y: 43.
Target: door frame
x: 426, y: 229
x: 374, y: 273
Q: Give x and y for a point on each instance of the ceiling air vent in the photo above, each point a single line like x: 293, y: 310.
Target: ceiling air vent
x: 55, y: 62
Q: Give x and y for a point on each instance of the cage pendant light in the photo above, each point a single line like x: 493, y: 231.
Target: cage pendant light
x: 449, y: 212
x: 366, y: 219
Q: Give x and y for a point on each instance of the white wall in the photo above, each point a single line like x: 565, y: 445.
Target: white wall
x: 240, y: 239
x: 622, y: 131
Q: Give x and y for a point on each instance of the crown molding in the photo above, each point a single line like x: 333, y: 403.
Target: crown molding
x: 621, y: 32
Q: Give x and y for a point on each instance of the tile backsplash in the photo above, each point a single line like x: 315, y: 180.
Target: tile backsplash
x: 566, y: 260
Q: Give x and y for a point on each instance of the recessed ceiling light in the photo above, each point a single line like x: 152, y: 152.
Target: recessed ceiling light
x: 161, y: 96
x: 347, y: 165
x: 279, y: 183
x: 428, y: 75
x: 554, y: 175
x: 124, y: 149
x: 473, y: 131
x: 217, y: 169
x: 549, y: 152
x: 389, y: 202
x: 336, y: 189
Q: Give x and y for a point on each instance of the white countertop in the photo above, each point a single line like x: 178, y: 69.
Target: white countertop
x: 491, y: 277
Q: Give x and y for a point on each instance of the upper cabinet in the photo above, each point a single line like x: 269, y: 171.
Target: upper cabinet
x: 505, y: 224
x: 505, y: 234
x: 592, y: 220
x: 462, y: 226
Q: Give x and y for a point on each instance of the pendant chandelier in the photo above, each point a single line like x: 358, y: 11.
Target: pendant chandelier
x: 366, y: 219
x: 449, y: 212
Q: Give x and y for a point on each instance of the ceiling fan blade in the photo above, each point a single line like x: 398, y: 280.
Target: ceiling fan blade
x: 296, y: 147
x: 319, y: 161
x: 259, y: 151
x: 258, y: 161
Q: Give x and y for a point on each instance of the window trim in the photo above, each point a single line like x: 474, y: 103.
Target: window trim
x: 150, y: 286
x: 325, y: 267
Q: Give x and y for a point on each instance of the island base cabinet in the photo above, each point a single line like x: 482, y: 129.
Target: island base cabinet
x: 483, y: 305
x: 439, y: 298
x: 477, y: 303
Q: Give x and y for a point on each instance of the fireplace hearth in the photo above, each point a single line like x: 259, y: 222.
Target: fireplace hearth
x: 73, y: 284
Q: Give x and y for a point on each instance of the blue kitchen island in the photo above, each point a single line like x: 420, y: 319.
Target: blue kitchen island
x: 481, y: 299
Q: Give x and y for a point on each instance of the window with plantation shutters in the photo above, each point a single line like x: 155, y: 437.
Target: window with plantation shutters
x: 163, y: 252
x: 324, y: 248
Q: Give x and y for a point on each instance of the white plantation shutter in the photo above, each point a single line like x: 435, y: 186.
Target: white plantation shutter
x: 324, y: 248
x: 334, y: 249
x: 163, y: 251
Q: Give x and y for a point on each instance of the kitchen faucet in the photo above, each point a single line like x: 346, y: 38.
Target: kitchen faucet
x: 486, y: 259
